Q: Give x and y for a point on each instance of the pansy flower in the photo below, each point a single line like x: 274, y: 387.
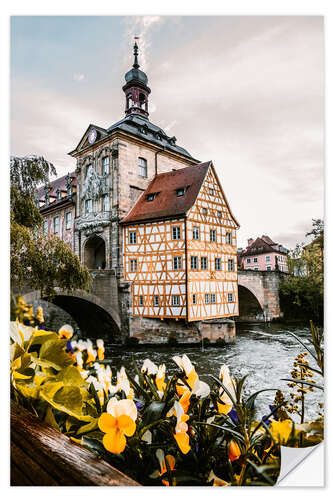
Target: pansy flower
x: 117, y: 423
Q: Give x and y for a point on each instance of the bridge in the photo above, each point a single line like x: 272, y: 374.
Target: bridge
x: 103, y: 311
x: 258, y: 295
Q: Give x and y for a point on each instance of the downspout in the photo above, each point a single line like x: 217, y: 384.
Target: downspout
x: 186, y: 285
x: 156, y: 153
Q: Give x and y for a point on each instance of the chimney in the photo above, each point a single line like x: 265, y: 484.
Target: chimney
x: 250, y: 241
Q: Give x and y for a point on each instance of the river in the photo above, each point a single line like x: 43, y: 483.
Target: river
x: 263, y: 352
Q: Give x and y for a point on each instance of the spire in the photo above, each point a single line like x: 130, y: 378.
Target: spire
x: 136, y: 51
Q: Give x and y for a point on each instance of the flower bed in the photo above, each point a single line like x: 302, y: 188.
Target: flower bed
x: 159, y: 430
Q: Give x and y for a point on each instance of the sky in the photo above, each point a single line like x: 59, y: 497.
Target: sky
x: 246, y: 92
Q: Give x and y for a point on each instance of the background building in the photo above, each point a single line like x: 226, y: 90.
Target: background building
x: 263, y: 254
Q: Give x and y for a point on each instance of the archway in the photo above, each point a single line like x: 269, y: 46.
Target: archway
x: 94, y: 253
x: 250, y: 308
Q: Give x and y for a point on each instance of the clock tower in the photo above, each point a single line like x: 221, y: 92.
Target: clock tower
x: 136, y: 89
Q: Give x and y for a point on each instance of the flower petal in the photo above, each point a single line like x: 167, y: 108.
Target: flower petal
x: 107, y: 422
x: 114, y: 441
x: 126, y: 424
x: 183, y: 440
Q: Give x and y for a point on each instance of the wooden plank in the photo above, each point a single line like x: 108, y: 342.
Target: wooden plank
x: 65, y: 461
x: 17, y: 477
x: 37, y: 475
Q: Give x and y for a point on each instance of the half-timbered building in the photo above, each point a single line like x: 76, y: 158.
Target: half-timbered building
x: 180, y: 251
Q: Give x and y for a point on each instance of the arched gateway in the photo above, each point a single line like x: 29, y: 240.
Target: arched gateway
x: 94, y: 318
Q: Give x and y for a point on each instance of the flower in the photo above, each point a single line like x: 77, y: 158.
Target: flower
x: 118, y: 422
x: 91, y: 354
x: 123, y: 384
x: 217, y: 481
x: 201, y: 389
x: 79, y: 360
x: 40, y: 315
x: 149, y: 367
x: 65, y: 332
x: 181, y: 429
x: 163, y: 468
x: 185, y: 364
x: 281, y: 430
x: 227, y: 381
x: 100, y: 349
x: 233, y: 451
x: 160, y: 376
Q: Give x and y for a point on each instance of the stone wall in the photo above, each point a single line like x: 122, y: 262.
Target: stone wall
x: 150, y: 330
x: 54, y: 316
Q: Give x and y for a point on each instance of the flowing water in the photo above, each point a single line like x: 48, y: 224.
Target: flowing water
x: 263, y: 352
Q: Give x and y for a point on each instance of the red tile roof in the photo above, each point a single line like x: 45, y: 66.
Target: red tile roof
x: 166, y: 202
x: 260, y: 246
x: 57, y: 183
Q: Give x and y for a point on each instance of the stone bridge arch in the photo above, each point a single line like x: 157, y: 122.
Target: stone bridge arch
x: 263, y: 286
x: 94, y: 317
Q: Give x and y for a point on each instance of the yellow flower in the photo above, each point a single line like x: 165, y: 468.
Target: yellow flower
x: 181, y: 429
x: 223, y: 409
x: 233, y: 451
x: 66, y: 332
x: 163, y: 468
x: 100, y: 349
x: 160, y: 376
x: 149, y: 367
x: 118, y: 422
x: 185, y: 364
x: 39, y: 314
x: 91, y: 355
x: 227, y: 381
x: 281, y: 430
x: 29, y: 313
x: 217, y: 480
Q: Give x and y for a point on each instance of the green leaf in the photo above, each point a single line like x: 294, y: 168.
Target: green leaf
x: 50, y: 419
x: 71, y: 376
x: 53, y: 353
x: 69, y: 397
x: 227, y: 429
x: 91, y: 426
x: 153, y: 412
x: 224, y: 387
x: 253, y: 397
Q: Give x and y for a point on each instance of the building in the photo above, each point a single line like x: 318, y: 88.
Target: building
x: 180, y: 248
x: 263, y: 254
x: 57, y: 204
x: 117, y: 169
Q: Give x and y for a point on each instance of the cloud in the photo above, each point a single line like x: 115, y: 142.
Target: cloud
x: 141, y: 26
x: 78, y: 77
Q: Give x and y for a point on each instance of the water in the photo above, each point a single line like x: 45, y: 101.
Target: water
x: 263, y: 352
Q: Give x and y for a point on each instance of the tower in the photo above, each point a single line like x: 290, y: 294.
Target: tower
x: 136, y: 89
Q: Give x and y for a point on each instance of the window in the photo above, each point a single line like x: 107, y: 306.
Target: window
x: 204, y: 263
x: 140, y: 300
x: 256, y: 269
x: 56, y: 223
x: 194, y: 263
x: 88, y: 206
x: 268, y: 258
x: 105, y: 165
x: 230, y: 265
x: 213, y: 298
x: 268, y: 268
x: 255, y: 259
x: 228, y: 238
x: 68, y: 220
x: 175, y: 300
x: 156, y: 300
x: 211, y: 191
x: 204, y: 210
x: 176, y: 233
x: 219, y: 214
x: 212, y: 235
x: 105, y: 202
x: 142, y: 163
x: 177, y: 263
x: 230, y: 297
x: 132, y: 237
x: 133, y: 265
x: 151, y: 196
x: 45, y: 227
x: 217, y: 264
x: 248, y: 261
x: 207, y: 297
x: 180, y: 191
x: 196, y: 233
x: 58, y: 194
x: 194, y: 298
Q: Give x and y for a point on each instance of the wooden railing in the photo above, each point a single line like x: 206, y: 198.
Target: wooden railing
x: 42, y: 456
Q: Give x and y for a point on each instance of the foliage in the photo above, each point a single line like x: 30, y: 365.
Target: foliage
x: 302, y: 292
x: 159, y: 430
x: 41, y: 262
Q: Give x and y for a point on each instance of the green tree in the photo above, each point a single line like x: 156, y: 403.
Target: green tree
x: 302, y: 292
x: 37, y: 261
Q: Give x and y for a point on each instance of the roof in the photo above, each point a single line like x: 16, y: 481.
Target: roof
x: 166, y: 202
x: 141, y: 127
x: 261, y: 245
x: 59, y: 183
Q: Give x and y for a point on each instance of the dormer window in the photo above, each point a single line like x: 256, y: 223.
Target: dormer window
x: 158, y: 137
x: 58, y: 194
x: 151, y: 196
x: 172, y: 140
x: 180, y: 191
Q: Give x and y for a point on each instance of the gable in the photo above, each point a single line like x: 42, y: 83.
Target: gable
x: 211, y: 196
x: 84, y: 142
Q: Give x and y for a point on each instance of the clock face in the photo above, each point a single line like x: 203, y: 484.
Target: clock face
x: 92, y: 136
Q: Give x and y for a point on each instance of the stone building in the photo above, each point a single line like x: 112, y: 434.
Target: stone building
x: 114, y: 167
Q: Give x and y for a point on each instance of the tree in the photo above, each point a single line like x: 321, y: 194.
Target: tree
x: 302, y: 292
x: 37, y: 261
